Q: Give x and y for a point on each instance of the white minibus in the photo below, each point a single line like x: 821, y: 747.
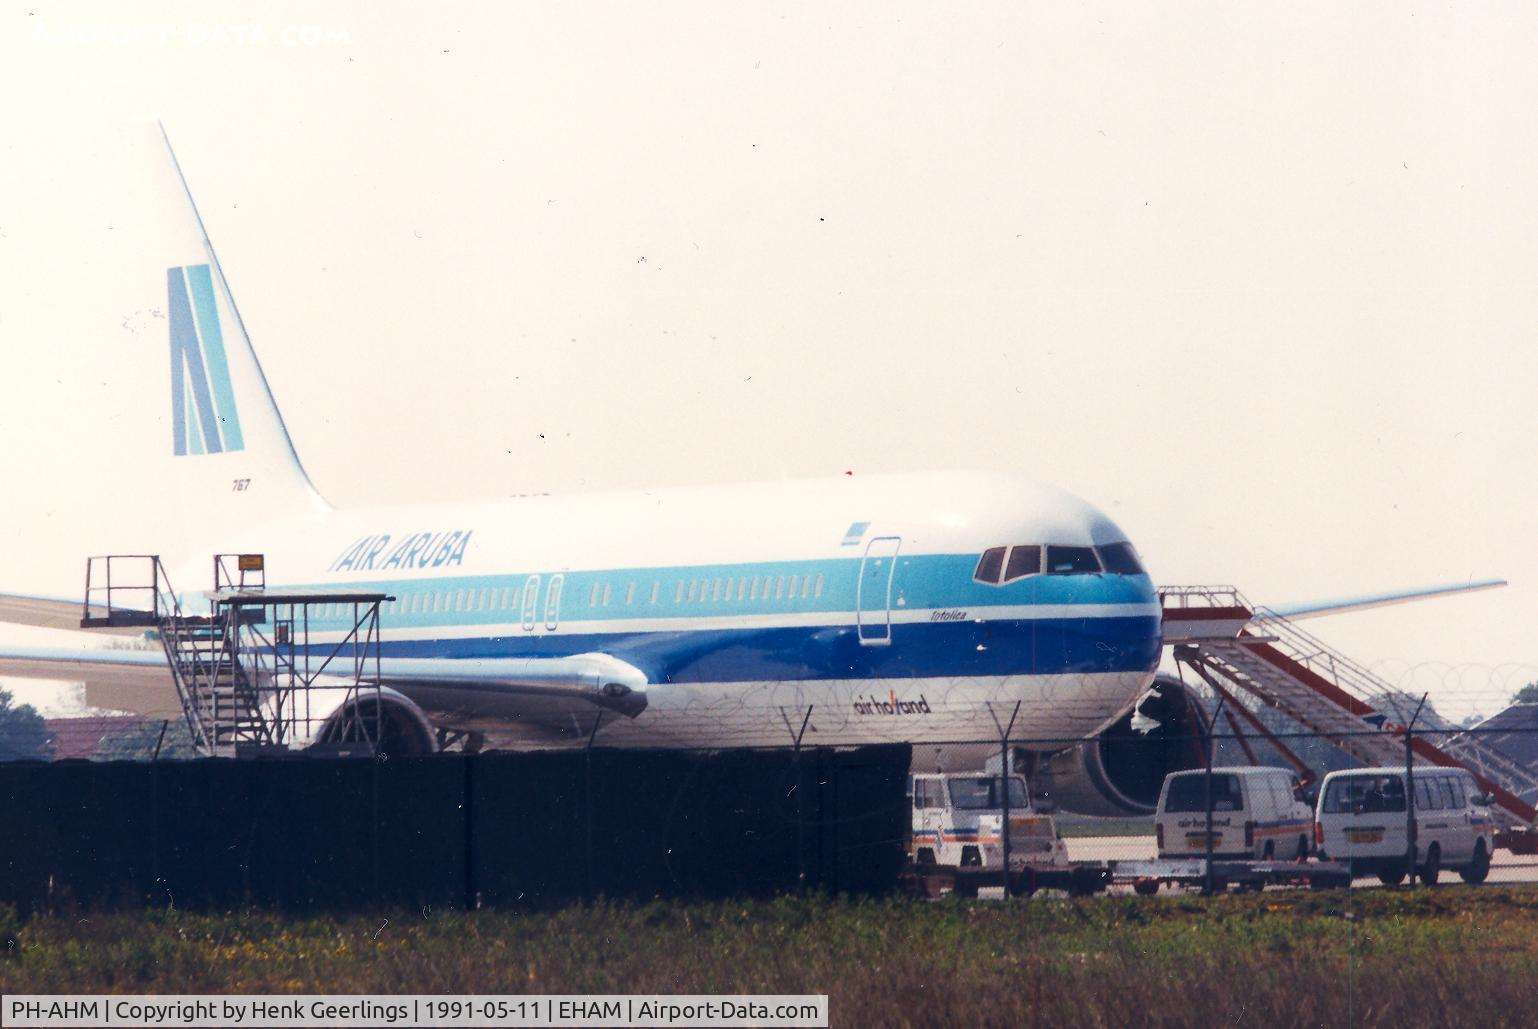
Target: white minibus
x: 1362, y: 819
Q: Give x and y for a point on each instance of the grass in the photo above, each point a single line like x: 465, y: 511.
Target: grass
x: 1448, y: 956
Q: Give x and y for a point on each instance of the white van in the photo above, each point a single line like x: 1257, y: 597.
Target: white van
x: 1362, y: 819
x: 958, y: 822
x: 1257, y: 813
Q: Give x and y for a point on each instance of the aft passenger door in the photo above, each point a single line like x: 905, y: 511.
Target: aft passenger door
x: 873, y: 597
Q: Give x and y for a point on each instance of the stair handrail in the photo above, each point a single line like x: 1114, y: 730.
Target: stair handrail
x: 1366, y: 686
x: 170, y: 623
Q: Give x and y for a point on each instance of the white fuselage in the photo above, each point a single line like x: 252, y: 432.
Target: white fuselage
x: 853, y: 606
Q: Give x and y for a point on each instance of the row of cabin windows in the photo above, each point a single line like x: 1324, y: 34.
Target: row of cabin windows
x: 510, y: 598
x: 486, y: 599
x: 746, y: 587
x: 1000, y: 565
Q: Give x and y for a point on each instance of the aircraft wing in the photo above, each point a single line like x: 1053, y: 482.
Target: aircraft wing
x: 50, y: 612
x: 461, y: 689
x: 115, y: 680
x: 1313, y: 609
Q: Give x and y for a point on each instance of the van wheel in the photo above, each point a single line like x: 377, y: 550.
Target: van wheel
x: 1302, y: 854
x: 1391, y: 877
x: 1268, y: 851
x: 1146, y: 887
x: 926, y: 857
x: 1475, y: 871
x: 1433, y: 866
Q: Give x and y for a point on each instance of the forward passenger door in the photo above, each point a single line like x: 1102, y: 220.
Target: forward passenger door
x: 873, y: 595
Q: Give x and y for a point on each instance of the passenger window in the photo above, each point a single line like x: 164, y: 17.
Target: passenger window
x: 753, y: 589
x: 925, y: 794
x: 817, y: 590
x: 742, y: 588
x: 678, y: 594
x: 1071, y: 561
x: 630, y: 594
x: 989, y: 566
x: 715, y: 594
x: 694, y: 590
x: 1427, y: 797
x: 806, y: 586
x: 655, y: 586
x: 605, y: 594
x: 1452, y: 794
x: 1023, y: 561
x: 779, y: 587
x: 1120, y: 559
x: 793, y: 584
x: 592, y: 596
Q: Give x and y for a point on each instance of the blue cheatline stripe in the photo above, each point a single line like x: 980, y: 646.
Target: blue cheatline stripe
x: 202, y: 284
x: 186, y: 353
x: 1026, y: 647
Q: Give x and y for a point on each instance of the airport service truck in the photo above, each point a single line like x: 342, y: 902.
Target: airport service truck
x: 957, y: 838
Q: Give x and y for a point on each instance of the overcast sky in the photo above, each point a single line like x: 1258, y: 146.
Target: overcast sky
x: 1257, y: 280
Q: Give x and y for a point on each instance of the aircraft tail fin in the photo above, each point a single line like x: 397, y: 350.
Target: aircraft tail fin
x: 233, y: 454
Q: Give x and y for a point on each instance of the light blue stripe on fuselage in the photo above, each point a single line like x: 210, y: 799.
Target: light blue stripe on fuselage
x: 1030, y: 626
x: 927, y: 582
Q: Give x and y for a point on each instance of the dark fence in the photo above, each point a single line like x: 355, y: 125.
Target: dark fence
x: 452, y: 830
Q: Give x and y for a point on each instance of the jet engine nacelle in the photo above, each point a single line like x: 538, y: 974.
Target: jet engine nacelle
x: 401, y: 728
x: 1121, y: 771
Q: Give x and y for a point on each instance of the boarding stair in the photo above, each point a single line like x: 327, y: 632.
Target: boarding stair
x: 1237, y: 648
x: 245, y: 670
x: 217, y: 684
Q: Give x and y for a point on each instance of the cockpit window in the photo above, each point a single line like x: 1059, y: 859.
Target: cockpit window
x: 989, y: 566
x: 1023, y: 561
x: 1120, y: 559
x: 1071, y: 560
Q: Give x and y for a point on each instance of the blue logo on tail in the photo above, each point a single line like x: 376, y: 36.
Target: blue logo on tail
x: 209, y: 424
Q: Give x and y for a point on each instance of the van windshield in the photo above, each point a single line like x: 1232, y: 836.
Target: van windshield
x: 985, y: 793
x: 1189, y: 793
x: 1364, y: 794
